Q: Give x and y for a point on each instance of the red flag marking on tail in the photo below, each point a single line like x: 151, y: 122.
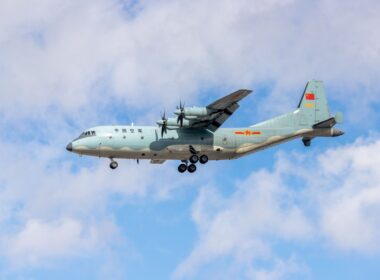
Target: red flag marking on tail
x: 310, y: 96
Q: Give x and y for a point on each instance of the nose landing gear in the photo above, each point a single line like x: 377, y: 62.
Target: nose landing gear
x: 113, y: 164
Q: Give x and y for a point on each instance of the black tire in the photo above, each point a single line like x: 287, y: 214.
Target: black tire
x: 114, y: 165
x: 191, y: 168
x: 182, y: 168
x: 203, y: 159
x: 194, y: 159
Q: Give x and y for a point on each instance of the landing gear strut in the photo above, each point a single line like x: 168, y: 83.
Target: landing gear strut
x: 113, y: 164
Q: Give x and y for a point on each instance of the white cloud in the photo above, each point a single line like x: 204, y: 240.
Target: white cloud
x: 41, y: 242
x: 44, y: 193
x: 332, y: 199
x: 350, y: 196
x: 259, y: 210
x: 73, y: 53
x: 70, y: 60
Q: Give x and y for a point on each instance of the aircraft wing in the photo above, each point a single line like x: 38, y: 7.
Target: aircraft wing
x: 221, y: 110
x: 230, y: 99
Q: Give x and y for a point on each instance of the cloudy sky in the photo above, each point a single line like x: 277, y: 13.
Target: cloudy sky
x: 285, y: 213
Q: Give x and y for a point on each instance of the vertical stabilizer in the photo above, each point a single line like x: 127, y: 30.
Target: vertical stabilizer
x: 313, y: 104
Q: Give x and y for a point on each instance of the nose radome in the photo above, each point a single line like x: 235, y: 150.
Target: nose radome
x: 69, y: 147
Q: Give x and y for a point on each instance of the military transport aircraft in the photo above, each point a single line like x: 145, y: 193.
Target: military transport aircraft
x: 194, y: 135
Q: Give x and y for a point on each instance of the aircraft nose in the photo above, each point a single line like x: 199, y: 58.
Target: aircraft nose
x: 69, y: 147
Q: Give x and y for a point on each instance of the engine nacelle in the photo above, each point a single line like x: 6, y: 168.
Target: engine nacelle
x: 172, y: 122
x: 193, y: 112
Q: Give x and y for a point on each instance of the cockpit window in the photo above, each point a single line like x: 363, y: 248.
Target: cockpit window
x: 87, y: 134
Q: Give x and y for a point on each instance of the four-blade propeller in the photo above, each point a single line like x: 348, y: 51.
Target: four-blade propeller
x: 164, y: 122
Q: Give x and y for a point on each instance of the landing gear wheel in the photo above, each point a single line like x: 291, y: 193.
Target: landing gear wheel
x: 191, y: 168
x: 203, y: 159
x: 114, y: 165
x: 182, y: 168
x: 194, y: 159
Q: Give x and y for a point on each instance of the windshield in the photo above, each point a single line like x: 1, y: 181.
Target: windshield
x: 87, y: 134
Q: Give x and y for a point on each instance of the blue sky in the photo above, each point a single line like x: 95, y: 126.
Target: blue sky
x: 284, y: 213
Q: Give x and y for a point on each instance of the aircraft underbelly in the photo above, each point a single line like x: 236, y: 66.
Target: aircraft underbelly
x: 177, y: 152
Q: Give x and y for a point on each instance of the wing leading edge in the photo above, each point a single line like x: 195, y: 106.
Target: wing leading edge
x: 222, y: 109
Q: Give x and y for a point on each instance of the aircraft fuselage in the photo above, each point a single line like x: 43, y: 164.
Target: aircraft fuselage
x: 146, y: 142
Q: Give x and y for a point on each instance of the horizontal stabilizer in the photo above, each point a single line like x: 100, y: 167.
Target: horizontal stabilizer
x: 329, y: 123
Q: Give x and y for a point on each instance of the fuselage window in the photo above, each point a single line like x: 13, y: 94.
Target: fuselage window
x: 140, y: 130
x: 93, y: 133
x: 132, y: 130
x: 117, y: 130
x: 124, y: 130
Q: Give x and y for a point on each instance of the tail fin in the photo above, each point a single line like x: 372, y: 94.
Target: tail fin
x: 313, y: 104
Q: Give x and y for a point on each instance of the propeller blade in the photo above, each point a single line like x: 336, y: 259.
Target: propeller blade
x: 163, y: 130
x: 181, y: 115
x: 164, y: 123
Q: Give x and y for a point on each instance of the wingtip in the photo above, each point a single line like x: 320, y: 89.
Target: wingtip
x: 247, y: 91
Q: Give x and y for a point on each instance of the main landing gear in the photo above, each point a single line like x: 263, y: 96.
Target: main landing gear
x: 183, y: 167
x: 193, y: 160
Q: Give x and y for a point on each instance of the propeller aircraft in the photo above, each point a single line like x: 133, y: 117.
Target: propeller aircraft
x: 194, y: 135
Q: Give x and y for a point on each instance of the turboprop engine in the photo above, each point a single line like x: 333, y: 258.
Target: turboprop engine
x: 192, y: 112
x: 172, y: 122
